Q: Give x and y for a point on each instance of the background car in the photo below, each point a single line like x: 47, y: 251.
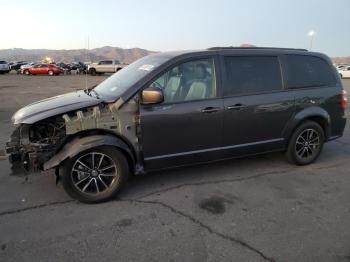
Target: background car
x: 344, y: 72
x: 105, y: 66
x: 43, y: 69
x: 4, y: 67
x: 66, y: 67
x: 27, y: 65
x: 17, y: 65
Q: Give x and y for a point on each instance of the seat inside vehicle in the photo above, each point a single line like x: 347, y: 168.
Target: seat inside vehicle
x: 173, y: 84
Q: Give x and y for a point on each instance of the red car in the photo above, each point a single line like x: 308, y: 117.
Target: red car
x: 43, y: 69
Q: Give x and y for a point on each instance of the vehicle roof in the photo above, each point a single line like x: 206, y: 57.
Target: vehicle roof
x: 237, y: 51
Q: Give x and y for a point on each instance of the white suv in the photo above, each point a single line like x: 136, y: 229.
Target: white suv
x: 4, y: 67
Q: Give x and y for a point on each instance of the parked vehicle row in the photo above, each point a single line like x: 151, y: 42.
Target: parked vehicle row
x: 180, y: 108
x: 99, y: 68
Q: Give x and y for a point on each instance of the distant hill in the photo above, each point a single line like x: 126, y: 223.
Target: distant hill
x: 94, y: 55
x: 74, y: 55
x: 341, y: 60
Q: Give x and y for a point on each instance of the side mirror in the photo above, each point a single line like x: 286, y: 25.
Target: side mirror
x: 152, y: 95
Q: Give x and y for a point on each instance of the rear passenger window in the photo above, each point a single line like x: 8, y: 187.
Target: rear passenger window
x: 252, y: 75
x: 308, y: 71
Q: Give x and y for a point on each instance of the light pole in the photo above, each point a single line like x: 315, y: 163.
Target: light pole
x: 311, y: 35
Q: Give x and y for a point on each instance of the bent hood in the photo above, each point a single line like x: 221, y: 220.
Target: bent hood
x: 54, y: 106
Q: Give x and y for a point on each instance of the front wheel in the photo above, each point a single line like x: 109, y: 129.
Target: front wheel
x: 95, y: 175
x: 306, y: 143
x: 50, y: 73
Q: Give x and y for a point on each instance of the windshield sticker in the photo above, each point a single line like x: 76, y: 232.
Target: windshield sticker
x: 146, y: 67
x: 114, y: 88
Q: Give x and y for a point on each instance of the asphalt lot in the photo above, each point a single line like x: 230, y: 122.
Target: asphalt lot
x: 253, y: 209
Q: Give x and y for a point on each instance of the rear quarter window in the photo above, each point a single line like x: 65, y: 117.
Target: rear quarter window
x: 307, y: 71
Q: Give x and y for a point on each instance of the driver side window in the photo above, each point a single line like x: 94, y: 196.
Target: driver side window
x: 194, y: 80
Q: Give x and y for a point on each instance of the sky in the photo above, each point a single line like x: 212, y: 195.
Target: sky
x: 175, y: 25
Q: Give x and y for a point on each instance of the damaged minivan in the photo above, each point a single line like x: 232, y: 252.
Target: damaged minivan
x: 179, y: 108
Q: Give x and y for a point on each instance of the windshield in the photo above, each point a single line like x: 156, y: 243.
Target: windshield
x: 118, y: 83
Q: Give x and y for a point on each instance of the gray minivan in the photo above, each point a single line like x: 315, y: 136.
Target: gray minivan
x: 179, y: 108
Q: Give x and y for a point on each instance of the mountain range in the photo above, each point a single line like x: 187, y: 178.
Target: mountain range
x: 74, y: 55
x: 93, y: 55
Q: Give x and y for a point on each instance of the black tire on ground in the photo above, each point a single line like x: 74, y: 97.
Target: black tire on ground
x: 92, y: 71
x: 26, y: 72
x: 50, y: 73
x: 75, y: 176
x: 306, y: 143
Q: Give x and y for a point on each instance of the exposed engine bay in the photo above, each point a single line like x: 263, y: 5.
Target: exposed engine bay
x: 34, y: 144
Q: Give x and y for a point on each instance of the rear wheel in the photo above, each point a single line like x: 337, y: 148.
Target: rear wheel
x: 92, y: 71
x: 95, y: 175
x: 306, y: 143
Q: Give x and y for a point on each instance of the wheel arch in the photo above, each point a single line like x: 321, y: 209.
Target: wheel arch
x: 316, y: 114
x: 85, y: 140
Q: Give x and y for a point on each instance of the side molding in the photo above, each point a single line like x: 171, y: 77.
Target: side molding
x: 79, y: 145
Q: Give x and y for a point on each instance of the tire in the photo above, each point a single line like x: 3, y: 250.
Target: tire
x: 50, y: 72
x: 88, y: 185
x: 26, y: 72
x: 306, y: 143
x: 92, y: 71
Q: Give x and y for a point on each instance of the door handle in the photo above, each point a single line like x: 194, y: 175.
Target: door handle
x: 210, y: 109
x: 236, y: 107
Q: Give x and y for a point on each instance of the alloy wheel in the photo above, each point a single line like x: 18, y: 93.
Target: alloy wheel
x: 94, y: 173
x: 307, y: 144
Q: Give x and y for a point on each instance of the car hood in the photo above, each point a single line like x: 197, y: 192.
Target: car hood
x: 54, y: 106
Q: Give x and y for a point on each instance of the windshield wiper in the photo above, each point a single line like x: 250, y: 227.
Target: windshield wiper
x: 96, y: 94
x: 91, y: 89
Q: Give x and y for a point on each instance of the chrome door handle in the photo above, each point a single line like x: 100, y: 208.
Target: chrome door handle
x: 210, y: 110
x: 236, y: 107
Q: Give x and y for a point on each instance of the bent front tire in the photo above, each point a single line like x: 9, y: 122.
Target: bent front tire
x: 95, y: 175
x: 306, y: 143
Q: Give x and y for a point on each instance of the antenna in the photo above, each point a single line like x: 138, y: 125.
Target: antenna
x: 86, y: 59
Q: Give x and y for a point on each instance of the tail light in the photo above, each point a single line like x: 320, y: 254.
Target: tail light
x: 344, y: 99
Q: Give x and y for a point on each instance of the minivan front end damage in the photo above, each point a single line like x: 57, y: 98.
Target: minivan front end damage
x: 33, y: 144
x: 37, y: 146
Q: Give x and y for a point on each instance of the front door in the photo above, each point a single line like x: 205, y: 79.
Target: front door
x: 187, y: 126
x: 257, y: 108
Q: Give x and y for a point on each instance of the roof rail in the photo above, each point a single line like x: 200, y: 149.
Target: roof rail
x: 253, y: 47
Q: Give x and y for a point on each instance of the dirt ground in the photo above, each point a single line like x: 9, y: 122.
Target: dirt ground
x: 252, y: 209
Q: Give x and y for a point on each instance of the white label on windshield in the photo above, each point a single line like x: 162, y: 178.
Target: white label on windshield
x: 114, y: 88
x: 146, y: 67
